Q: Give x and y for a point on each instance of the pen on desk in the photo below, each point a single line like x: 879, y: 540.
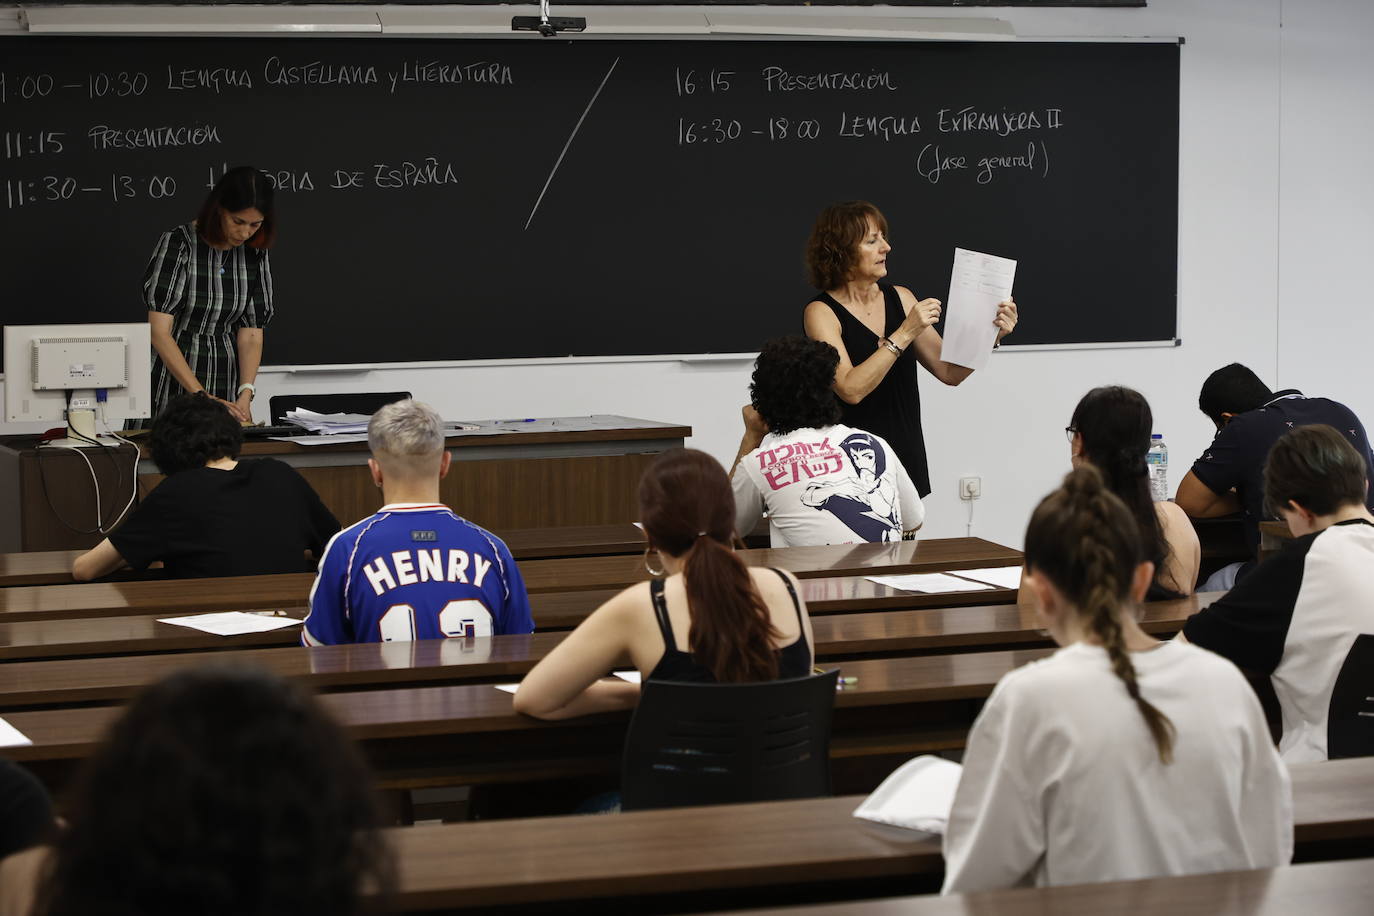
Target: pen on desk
x: 525, y: 420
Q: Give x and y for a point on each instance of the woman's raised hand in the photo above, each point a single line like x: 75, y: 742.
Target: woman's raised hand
x: 923, y: 315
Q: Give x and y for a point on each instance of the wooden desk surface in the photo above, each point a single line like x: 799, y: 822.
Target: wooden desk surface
x: 774, y: 843
x: 118, y: 599
x: 105, y: 680
x: 419, y: 712
x: 934, y: 555
x: 53, y: 567
x: 1342, y: 888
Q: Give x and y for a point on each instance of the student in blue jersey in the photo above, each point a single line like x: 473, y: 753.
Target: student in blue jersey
x: 416, y: 569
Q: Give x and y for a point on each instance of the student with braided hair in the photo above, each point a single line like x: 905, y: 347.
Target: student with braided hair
x: 1119, y: 756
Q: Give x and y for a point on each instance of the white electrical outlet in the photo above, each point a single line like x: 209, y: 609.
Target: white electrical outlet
x: 970, y: 487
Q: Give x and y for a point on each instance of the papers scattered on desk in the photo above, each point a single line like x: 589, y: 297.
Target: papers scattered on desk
x: 328, y: 424
x: 11, y: 736
x: 1000, y: 576
x: 231, y: 623
x: 918, y: 795
x: 930, y: 583
x: 976, y: 287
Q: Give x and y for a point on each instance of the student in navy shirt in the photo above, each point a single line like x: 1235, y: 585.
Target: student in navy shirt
x: 415, y: 569
x: 1229, y: 477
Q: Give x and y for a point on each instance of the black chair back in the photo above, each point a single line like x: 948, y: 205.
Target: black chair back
x: 345, y: 402
x: 703, y: 744
x: 1350, y: 718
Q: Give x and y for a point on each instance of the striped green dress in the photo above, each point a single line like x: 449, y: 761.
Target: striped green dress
x: 210, y: 294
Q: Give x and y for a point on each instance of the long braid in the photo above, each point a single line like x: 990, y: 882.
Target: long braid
x: 1096, y: 575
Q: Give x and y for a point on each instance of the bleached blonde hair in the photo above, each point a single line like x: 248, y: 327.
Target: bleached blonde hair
x: 407, y: 437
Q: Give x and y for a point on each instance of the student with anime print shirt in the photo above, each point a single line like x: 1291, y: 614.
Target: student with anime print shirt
x: 820, y: 481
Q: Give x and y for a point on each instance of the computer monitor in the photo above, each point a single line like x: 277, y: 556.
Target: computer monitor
x: 74, y: 373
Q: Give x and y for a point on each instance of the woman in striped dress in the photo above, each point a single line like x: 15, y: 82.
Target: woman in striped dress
x: 208, y: 289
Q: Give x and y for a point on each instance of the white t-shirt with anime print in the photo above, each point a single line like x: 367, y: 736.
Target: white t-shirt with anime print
x: 832, y: 485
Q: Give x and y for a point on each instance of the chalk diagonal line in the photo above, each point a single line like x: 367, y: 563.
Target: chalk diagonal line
x: 575, y: 129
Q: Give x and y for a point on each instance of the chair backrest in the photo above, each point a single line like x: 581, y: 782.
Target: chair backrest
x: 346, y: 402
x: 1350, y: 718
x: 702, y: 744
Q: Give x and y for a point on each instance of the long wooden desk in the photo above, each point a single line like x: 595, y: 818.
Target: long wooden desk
x: 558, y: 471
x: 54, y: 567
x: 119, y: 599
x: 68, y: 634
x: 448, y: 661
x: 1341, y: 888
x: 793, y: 846
x: 465, y: 734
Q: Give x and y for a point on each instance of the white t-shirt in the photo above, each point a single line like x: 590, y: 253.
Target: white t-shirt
x: 832, y: 485
x: 1062, y: 783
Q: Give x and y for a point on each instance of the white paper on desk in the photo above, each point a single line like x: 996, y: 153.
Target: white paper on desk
x: 231, y: 623
x: 1000, y: 576
x: 323, y: 440
x: 917, y: 795
x: 11, y: 736
x: 631, y: 676
x: 979, y: 283
x: 508, y: 688
x: 930, y: 583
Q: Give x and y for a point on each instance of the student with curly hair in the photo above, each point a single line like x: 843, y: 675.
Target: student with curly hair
x: 214, y: 515
x: 1118, y: 756
x: 221, y: 791
x: 820, y: 481
x: 873, y: 325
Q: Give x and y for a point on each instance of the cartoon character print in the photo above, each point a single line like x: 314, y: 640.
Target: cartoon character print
x: 867, y: 502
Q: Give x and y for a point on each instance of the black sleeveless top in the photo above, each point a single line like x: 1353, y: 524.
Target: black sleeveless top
x: 893, y: 409
x: 794, y: 660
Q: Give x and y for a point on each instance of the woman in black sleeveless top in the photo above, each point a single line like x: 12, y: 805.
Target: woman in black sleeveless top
x: 873, y: 324
x: 709, y: 618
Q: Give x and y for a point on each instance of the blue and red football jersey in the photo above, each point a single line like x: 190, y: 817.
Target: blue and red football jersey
x: 415, y: 572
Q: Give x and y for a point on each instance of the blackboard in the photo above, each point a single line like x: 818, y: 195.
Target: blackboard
x: 445, y: 200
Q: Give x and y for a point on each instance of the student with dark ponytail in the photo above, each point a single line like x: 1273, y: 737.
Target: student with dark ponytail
x: 704, y: 617
x: 1110, y: 430
x: 1117, y: 757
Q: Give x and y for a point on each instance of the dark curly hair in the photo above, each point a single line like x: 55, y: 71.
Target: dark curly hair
x: 191, y: 430
x: 1115, y: 424
x: 791, y: 384
x: 221, y: 791
x: 832, y: 249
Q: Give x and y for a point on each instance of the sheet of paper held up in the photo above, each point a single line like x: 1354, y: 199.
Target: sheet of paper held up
x: 1000, y: 576
x: 930, y: 583
x: 231, y: 623
x: 979, y: 282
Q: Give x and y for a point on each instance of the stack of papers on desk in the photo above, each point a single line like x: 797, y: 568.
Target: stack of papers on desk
x: 328, y: 423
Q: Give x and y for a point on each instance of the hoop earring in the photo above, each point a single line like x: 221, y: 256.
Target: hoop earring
x: 649, y: 569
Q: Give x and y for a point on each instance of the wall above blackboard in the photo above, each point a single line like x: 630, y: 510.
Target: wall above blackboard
x: 465, y: 200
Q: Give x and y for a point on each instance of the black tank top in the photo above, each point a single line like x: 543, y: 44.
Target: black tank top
x: 794, y: 659
x: 893, y: 409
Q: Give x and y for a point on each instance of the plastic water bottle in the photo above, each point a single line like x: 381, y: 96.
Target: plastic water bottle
x: 1157, y: 460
